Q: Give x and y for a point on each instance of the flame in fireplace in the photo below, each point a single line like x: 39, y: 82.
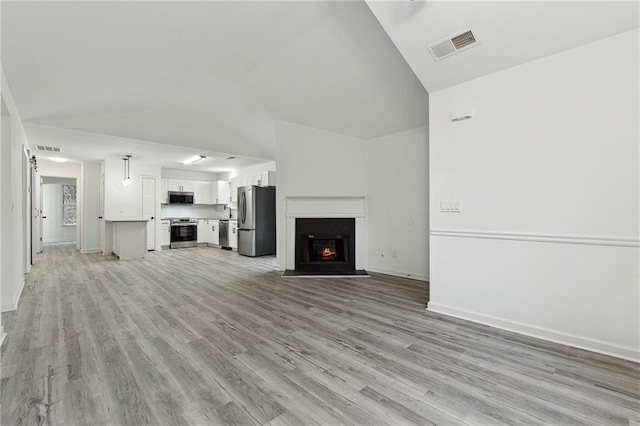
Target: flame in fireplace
x: 328, y: 254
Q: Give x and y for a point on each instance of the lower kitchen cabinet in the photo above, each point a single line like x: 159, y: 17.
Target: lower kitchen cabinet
x: 233, y: 234
x: 165, y: 233
x: 202, y: 234
x: 213, y: 227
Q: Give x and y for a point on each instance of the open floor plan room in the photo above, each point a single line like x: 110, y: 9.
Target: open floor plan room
x: 223, y: 339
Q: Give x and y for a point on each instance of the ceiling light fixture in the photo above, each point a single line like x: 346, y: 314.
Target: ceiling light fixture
x: 59, y: 159
x: 194, y: 160
x: 126, y: 180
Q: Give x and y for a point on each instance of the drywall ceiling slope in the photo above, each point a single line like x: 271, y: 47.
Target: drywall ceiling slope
x: 510, y: 32
x: 210, y: 75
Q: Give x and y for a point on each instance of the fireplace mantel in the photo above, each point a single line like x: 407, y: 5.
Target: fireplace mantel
x: 323, y: 207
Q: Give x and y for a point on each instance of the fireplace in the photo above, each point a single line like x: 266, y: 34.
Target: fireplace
x: 325, y: 245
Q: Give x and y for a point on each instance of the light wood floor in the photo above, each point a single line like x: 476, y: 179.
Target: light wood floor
x: 205, y: 336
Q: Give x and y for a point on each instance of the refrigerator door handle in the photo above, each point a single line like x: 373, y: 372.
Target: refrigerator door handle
x: 243, y: 208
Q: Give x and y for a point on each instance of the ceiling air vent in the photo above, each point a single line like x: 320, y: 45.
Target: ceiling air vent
x: 47, y: 148
x: 453, y: 44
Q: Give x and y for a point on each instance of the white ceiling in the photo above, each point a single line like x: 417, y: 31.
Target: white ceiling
x: 213, y: 77
x: 82, y: 146
x: 208, y: 75
x: 510, y: 32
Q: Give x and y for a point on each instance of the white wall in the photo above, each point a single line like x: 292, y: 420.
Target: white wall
x: 398, y: 203
x: 55, y: 231
x: 252, y: 170
x: 189, y: 175
x: 314, y: 162
x: 125, y: 202
x: 14, y: 142
x: 547, y: 172
x: 90, y: 207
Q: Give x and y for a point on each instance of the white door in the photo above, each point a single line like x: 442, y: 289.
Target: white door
x: 101, y: 217
x: 36, y: 190
x: 42, y: 217
x: 148, y: 209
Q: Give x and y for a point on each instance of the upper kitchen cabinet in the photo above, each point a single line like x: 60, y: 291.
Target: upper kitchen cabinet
x: 179, y: 185
x: 202, y: 193
x: 220, y: 192
x: 265, y: 179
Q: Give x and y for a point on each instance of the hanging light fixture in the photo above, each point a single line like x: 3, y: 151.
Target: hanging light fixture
x: 126, y: 180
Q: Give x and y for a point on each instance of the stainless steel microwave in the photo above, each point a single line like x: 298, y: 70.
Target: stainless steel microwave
x: 180, y: 197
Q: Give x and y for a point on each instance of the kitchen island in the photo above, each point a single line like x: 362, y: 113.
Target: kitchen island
x: 127, y: 239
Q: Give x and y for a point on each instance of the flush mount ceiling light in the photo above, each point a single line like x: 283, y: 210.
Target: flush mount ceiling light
x: 59, y: 159
x: 126, y: 180
x: 194, y: 160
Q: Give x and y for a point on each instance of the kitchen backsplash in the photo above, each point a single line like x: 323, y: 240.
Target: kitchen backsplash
x: 199, y: 211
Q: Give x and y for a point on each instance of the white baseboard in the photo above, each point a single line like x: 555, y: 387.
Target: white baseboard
x: 593, y: 345
x: 409, y: 275
x: 12, y: 306
x: 95, y: 250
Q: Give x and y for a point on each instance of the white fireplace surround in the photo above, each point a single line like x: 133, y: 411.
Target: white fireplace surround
x: 323, y: 207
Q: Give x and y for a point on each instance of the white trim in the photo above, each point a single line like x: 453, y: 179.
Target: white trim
x: 542, y: 238
x: 312, y: 215
x: 94, y: 250
x: 14, y: 305
x: 2, y: 335
x: 417, y: 277
x: 326, y: 207
x: 593, y: 345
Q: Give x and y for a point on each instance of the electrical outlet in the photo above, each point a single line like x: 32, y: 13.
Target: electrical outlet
x: 394, y: 254
x: 451, y: 206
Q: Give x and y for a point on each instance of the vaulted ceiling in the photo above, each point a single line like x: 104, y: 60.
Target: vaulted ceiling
x: 218, y: 75
x: 211, y: 75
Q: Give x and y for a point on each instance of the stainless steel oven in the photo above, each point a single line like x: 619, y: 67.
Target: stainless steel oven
x: 184, y: 233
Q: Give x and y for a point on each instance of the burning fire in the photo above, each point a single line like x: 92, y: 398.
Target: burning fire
x: 328, y: 254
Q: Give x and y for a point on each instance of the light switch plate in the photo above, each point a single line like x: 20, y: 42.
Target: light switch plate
x: 451, y: 206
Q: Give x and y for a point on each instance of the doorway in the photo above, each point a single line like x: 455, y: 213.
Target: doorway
x: 59, y: 214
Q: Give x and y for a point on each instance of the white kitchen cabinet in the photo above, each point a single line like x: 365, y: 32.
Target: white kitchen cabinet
x: 220, y: 192
x: 265, y: 179
x: 213, y: 227
x: 233, y: 234
x: 165, y: 233
x: 201, y: 237
x: 235, y: 182
x: 202, y: 193
x: 179, y: 185
x: 164, y: 191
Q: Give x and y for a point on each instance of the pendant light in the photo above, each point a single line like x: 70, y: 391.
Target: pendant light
x: 126, y: 180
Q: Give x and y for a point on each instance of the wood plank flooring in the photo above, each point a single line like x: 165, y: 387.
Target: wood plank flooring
x: 205, y: 336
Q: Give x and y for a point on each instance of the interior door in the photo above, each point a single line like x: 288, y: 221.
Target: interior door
x: 36, y: 207
x: 148, y: 209
x: 101, y: 217
x: 42, y: 216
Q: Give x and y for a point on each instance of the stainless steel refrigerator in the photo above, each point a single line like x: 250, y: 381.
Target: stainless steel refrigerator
x: 256, y: 220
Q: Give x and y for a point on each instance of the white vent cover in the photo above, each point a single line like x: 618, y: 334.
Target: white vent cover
x: 47, y: 148
x: 452, y: 44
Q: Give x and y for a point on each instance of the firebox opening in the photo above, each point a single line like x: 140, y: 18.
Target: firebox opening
x: 325, y: 246
x: 326, y: 249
